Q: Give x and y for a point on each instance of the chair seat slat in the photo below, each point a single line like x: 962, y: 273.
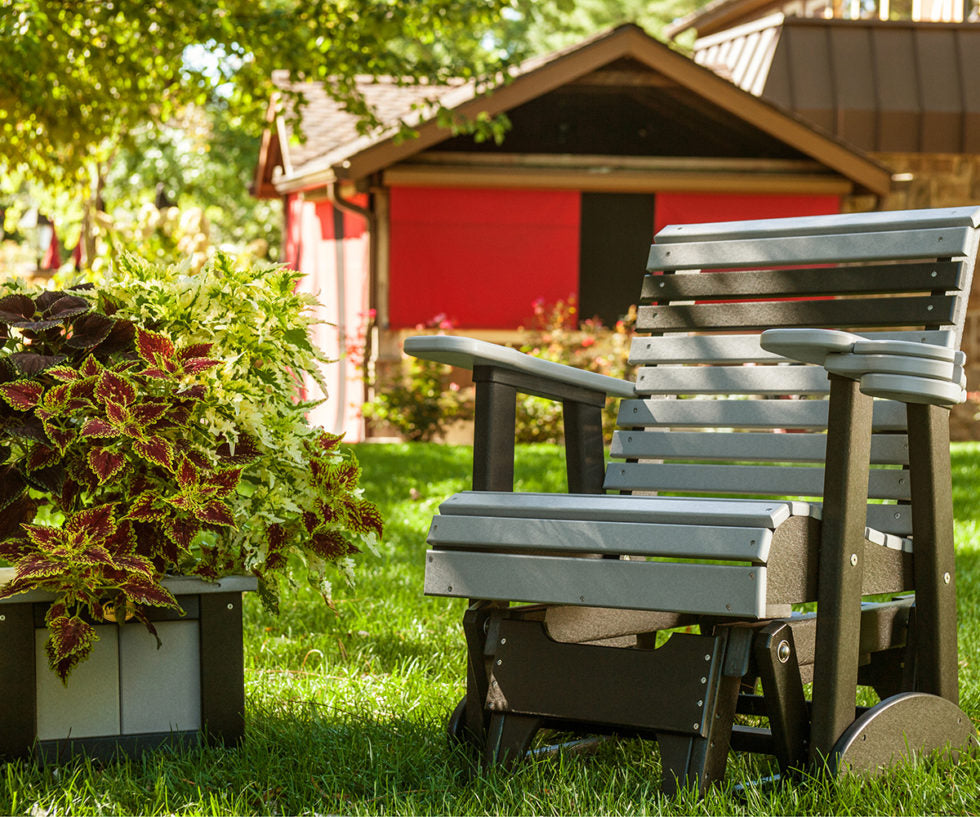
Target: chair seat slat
x: 655, y: 510
x: 729, y: 590
x: 739, y: 544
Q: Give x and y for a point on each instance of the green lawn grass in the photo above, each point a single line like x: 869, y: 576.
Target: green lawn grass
x: 346, y: 706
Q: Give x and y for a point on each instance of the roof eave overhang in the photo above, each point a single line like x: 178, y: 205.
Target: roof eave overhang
x: 370, y: 155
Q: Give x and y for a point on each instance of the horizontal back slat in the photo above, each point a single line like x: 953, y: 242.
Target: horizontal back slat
x: 951, y: 242
x: 743, y: 348
x: 763, y: 480
x: 892, y: 449
x: 800, y: 283
x: 773, y: 380
x: 751, y: 414
x: 893, y: 312
x: 876, y: 221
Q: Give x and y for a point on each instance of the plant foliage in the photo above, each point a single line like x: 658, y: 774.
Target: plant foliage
x: 135, y: 446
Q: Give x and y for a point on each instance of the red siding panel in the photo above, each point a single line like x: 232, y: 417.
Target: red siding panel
x: 480, y: 257
x: 692, y: 208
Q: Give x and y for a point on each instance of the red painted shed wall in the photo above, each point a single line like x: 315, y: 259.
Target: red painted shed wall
x: 480, y: 257
x: 692, y: 208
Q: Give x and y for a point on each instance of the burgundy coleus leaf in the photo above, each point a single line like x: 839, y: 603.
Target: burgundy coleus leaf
x: 141, y: 591
x: 56, y: 398
x: 70, y: 642
x: 44, y: 537
x: 193, y: 350
x: 66, y: 374
x: 59, y: 305
x: 326, y: 441
x: 22, y: 395
x: 117, y: 415
x: 187, y: 473
x: 147, y: 413
x: 153, y: 347
x: 242, y: 452
x: 35, y: 567
x: 331, y: 545
x: 89, y: 331
x: 98, y: 428
x: 94, y: 523
x: 12, y: 517
x: 155, y: 372
x: 217, y: 512
x: 223, y: 483
x: 156, y: 449
x: 275, y: 558
x: 113, y: 389
x: 32, y: 363
x: 16, y: 309
x: 182, y: 531
x: 48, y: 480
x: 122, y: 540
x: 195, y: 392
x: 91, y: 367
x: 119, y: 339
x: 199, y: 364
x: 12, y: 484
x: 363, y: 516
x: 143, y: 508
x: 60, y: 437
x: 310, y: 521
x: 40, y: 456
x: 95, y: 556
x: 132, y: 564
x: 105, y: 464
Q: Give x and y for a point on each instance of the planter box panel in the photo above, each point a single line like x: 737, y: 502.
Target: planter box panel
x: 160, y: 688
x: 89, y: 705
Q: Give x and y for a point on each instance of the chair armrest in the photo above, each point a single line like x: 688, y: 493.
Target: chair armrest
x: 469, y: 352
x: 907, y: 371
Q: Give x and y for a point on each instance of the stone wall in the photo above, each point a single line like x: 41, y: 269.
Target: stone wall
x: 939, y: 180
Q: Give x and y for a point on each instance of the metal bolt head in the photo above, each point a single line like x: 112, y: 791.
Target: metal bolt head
x: 854, y: 560
x: 231, y: 606
x: 499, y: 662
x: 946, y: 578
x: 704, y: 680
x: 783, y: 652
x: 503, y: 640
x: 696, y: 726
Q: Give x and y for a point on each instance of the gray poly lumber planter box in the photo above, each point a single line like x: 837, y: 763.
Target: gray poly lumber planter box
x: 127, y: 695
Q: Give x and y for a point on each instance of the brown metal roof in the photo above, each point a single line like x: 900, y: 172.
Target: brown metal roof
x: 678, y: 92
x: 883, y: 86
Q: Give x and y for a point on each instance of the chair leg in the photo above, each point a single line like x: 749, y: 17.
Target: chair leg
x: 782, y: 687
x: 508, y: 738
x: 700, y: 761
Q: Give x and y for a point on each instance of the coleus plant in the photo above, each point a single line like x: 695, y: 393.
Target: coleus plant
x: 110, y: 480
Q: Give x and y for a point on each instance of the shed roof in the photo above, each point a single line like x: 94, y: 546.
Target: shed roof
x: 675, y: 87
x: 896, y: 86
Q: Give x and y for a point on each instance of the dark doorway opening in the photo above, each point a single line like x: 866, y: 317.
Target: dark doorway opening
x: 616, y: 233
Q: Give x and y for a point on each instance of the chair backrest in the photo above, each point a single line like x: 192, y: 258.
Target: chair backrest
x: 718, y: 415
